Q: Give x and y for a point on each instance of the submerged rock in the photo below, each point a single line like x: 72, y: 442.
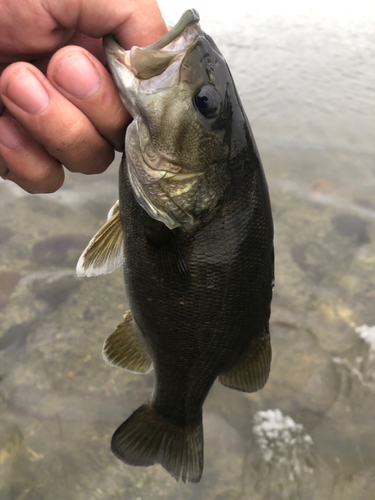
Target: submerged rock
x: 284, y: 443
x: 56, y: 290
x: 63, y: 250
x: 352, y: 226
x: 5, y: 234
x: 288, y: 460
x: 15, y: 337
x: 8, y: 282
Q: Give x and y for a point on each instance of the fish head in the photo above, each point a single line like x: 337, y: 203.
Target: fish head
x: 180, y: 93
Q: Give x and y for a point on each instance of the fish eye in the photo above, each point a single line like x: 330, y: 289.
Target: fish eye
x: 207, y: 100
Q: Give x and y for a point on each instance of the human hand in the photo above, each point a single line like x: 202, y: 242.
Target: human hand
x: 73, y: 115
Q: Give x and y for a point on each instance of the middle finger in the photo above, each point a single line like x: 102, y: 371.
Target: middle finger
x: 64, y: 130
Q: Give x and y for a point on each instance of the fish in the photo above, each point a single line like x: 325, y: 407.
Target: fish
x: 193, y: 231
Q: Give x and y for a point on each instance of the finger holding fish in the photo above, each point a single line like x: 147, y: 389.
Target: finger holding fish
x: 74, y: 140
x: 74, y: 114
x: 86, y: 83
x: 25, y: 161
x: 68, y: 130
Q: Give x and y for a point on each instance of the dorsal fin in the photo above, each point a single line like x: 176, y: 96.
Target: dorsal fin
x: 251, y: 371
x: 105, y: 251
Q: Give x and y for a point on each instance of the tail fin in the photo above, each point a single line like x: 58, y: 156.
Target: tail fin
x: 145, y: 438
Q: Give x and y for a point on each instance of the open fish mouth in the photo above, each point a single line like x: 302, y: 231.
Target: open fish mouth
x: 150, y: 61
x: 151, y: 68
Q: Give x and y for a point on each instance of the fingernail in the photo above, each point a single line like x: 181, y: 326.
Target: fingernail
x: 27, y: 92
x: 10, y: 136
x: 77, y: 75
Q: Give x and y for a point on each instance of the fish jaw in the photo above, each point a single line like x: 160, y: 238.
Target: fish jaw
x: 148, y: 69
x: 119, y: 62
x: 158, y: 85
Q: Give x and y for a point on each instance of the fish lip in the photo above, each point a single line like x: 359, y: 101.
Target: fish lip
x: 111, y: 45
x: 188, y: 17
x: 115, y: 53
x: 113, y: 50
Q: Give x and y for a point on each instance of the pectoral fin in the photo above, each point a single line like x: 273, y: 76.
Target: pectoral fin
x: 105, y: 252
x: 115, y: 210
x: 124, y: 348
x: 251, y: 372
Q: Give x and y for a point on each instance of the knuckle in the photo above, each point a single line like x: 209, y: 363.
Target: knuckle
x: 73, y: 137
x: 36, y: 181
x: 102, y: 162
x: 81, y: 149
x: 35, y: 186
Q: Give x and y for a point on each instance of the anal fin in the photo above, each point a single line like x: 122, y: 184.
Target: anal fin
x: 124, y: 347
x: 250, y: 373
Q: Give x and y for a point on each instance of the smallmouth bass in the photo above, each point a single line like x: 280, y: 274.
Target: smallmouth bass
x: 193, y: 230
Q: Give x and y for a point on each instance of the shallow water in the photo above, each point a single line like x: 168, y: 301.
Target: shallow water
x: 306, y: 78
